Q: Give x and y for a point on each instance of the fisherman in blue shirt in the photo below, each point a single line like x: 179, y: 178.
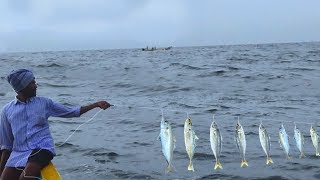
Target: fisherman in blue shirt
x: 26, y: 142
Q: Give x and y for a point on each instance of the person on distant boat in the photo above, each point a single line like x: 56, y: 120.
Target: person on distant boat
x: 26, y: 142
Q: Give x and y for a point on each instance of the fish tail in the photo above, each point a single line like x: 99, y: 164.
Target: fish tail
x: 244, y: 162
x: 169, y: 168
x: 301, y: 155
x: 269, y: 160
x: 288, y: 157
x: 190, y: 167
x: 218, y: 165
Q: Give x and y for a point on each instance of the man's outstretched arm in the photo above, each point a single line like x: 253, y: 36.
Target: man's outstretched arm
x: 100, y: 104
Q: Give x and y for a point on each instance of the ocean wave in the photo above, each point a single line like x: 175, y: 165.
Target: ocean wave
x: 234, y: 58
x: 187, y: 67
x: 270, y: 178
x: 182, y: 105
x: 212, y: 110
x: 139, y: 144
x: 221, y: 176
x: 64, y: 145
x: 213, y: 73
x: 50, y: 65
x: 232, y: 68
x: 299, y: 69
x: 122, y: 85
x: 75, y: 130
x: 58, y: 85
x: 157, y: 88
x: 121, y: 174
x: 64, y: 95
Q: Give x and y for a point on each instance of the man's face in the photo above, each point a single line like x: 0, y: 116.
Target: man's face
x: 30, y: 90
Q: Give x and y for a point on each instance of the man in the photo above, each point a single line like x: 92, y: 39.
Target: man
x: 25, y: 138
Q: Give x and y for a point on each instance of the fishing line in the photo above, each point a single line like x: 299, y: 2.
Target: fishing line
x: 194, y: 112
x: 65, y: 141
x: 149, y: 108
x: 152, y: 108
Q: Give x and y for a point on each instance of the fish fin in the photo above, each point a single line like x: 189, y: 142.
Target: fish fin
x: 169, y: 168
x: 269, y: 160
x: 244, y: 162
x: 158, y: 138
x: 190, y: 167
x: 317, y: 153
x: 218, y: 165
x: 280, y: 144
x: 196, y: 137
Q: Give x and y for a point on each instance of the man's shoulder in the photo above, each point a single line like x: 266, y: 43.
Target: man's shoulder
x: 39, y: 98
x: 14, y: 101
x: 40, y: 101
x: 8, y: 105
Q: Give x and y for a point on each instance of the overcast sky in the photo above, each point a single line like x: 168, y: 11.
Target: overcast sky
x: 40, y: 25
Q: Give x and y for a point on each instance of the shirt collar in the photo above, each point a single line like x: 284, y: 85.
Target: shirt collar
x: 16, y: 101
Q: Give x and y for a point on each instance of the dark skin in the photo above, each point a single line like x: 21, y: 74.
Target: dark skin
x: 33, y: 169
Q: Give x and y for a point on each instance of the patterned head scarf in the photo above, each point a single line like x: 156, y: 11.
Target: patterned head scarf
x: 19, y: 79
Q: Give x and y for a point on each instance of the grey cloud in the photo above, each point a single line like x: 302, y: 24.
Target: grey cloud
x: 59, y: 24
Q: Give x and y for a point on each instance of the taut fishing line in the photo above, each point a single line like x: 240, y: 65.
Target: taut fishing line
x: 196, y: 112
x: 65, y: 141
x: 148, y: 108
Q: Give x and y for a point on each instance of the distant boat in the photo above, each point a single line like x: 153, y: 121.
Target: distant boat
x: 155, y: 49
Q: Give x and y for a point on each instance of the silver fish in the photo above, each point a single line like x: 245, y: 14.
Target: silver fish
x: 265, y: 142
x: 240, y: 138
x: 190, y: 141
x: 216, y: 143
x: 168, y: 142
x: 299, y: 140
x: 284, y: 141
x: 315, y: 139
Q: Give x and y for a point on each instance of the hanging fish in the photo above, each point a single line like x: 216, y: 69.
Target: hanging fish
x: 168, y: 142
x: 284, y: 141
x: 189, y: 141
x: 241, y: 143
x: 265, y: 142
x: 216, y: 143
x: 299, y: 140
x: 315, y: 139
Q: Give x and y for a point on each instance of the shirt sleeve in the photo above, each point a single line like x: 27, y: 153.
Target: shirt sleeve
x: 59, y: 110
x: 6, y: 136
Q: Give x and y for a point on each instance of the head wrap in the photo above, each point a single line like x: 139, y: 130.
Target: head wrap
x: 19, y: 79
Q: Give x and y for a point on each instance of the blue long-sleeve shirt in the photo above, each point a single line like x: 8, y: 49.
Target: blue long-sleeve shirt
x: 24, y: 127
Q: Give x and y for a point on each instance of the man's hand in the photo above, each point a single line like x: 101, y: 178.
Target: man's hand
x: 100, y: 104
x: 103, y: 104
